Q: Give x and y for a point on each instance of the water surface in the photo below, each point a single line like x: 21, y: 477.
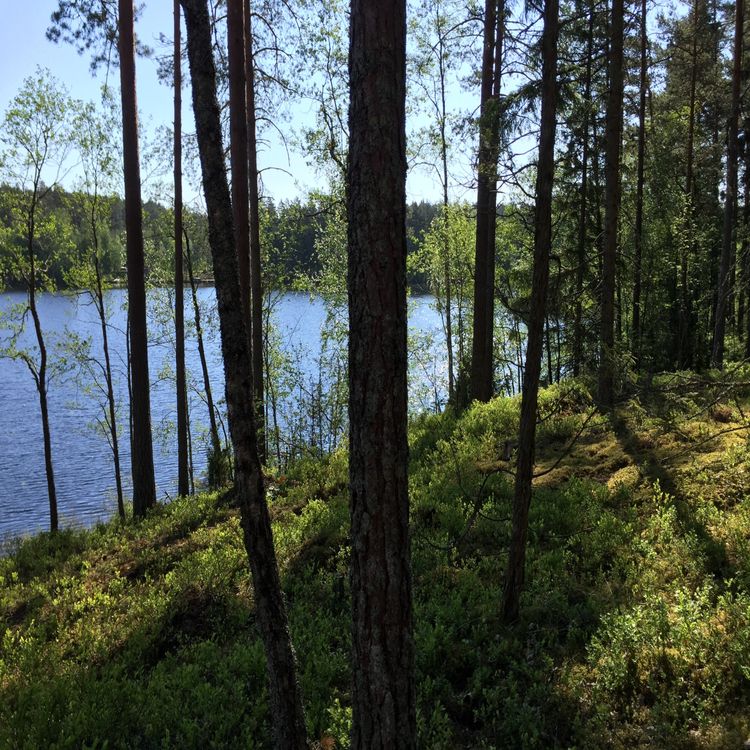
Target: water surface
x: 84, y: 474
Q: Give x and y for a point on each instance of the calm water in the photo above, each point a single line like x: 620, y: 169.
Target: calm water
x: 82, y: 458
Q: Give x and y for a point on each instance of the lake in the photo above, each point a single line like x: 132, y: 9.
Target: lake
x: 81, y: 455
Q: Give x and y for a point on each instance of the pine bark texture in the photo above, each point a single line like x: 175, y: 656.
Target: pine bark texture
x: 183, y: 473
x: 745, y: 320
x: 514, y: 575
x: 583, y: 214
x: 442, y: 57
x: 684, y: 356
x: 481, y: 382
x: 144, y: 488
x: 284, y: 694
x: 383, y: 695
x: 256, y: 281
x: 717, y: 355
x: 238, y: 146
x: 640, y: 170
x: 612, y: 139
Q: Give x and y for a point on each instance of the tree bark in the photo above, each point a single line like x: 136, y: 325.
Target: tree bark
x: 514, y: 574
x: 583, y: 212
x: 481, y: 382
x: 612, y: 138
x: 743, y: 259
x: 746, y: 238
x: 441, y: 58
x: 40, y: 374
x: 640, y: 168
x: 685, y: 339
x: 142, y: 461
x: 284, y: 693
x: 256, y: 280
x: 213, y: 429
x: 113, y: 435
x: 383, y: 695
x: 717, y: 355
x: 238, y: 146
x: 183, y: 470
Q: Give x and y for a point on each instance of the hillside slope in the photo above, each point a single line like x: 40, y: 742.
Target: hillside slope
x: 635, y: 628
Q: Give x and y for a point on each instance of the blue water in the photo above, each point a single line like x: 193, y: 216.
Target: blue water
x: 82, y: 458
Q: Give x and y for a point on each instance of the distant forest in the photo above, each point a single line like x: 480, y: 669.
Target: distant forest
x: 289, y: 232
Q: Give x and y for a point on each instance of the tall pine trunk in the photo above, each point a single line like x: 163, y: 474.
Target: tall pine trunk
x: 717, y: 354
x: 384, y: 693
x: 284, y: 693
x: 238, y: 147
x: 612, y: 138
x: 256, y: 281
x: 578, y: 332
x: 640, y: 168
x: 142, y: 459
x: 448, y: 281
x: 685, y: 334
x: 746, y: 238
x: 514, y: 574
x: 481, y: 382
x: 183, y: 472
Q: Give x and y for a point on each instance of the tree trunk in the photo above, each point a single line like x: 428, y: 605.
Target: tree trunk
x: 514, y: 574
x: 583, y: 213
x: 213, y: 429
x: 446, y: 238
x: 746, y: 237
x: 51, y: 491
x: 548, y: 346
x: 40, y: 375
x: 717, y: 355
x: 636, y: 324
x: 484, y: 265
x: 183, y: 472
x: 384, y: 693
x: 612, y: 138
x: 190, y: 452
x: 238, y: 147
x: 685, y: 341
x: 256, y: 281
x: 284, y: 693
x: 130, y: 383
x: 744, y: 260
x: 142, y: 460
x: 113, y: 436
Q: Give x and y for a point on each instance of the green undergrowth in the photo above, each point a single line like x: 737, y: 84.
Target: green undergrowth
x: 635, y: 624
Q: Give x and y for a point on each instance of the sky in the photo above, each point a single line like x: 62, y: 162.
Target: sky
x: 24, y: 46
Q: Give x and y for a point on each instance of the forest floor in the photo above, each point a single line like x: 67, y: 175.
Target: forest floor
x: 635, y: 624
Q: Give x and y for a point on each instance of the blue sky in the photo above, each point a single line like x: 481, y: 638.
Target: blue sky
x: 24, y: 46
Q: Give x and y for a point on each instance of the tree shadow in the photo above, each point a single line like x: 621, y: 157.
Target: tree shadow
x: 653, y: 467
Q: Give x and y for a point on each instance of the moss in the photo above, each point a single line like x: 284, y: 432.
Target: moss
x: 635, y: 626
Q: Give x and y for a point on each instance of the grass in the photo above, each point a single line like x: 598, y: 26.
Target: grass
x: 635, y: 626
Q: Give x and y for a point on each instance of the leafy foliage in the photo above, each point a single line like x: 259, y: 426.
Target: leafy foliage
x: 635, y: 628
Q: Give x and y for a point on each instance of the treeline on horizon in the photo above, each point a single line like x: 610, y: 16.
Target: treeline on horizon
x: 289, y: 228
